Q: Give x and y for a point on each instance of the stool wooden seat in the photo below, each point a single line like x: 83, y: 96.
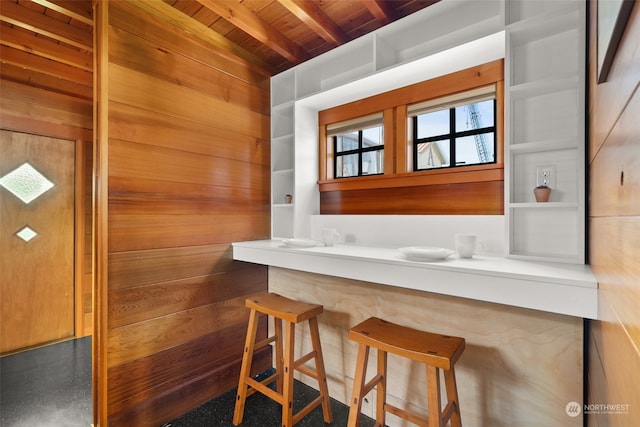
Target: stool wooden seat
x: 290, y: 312
x: 435, y: 351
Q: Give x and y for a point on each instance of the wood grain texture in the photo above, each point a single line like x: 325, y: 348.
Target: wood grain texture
x: 145, y: 91
x: 483, y: 198
x: 178, y: 67
x: 614, y: 227
x: 188, y: 173
x: 614, y: 172
x: 614, y: 259
x: 608, y: 100
x: 527, y: 361
x: 137, y: 268
x: 127, y: 123
x: 610, y: 352
x: 164, y: 404
x: 37, y: 277
x: 136, y: 304
x: 190, y: 45
x: 38, y: 105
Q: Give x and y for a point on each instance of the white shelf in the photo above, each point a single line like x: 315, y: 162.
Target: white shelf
x: 523, y: 175
x: 546, y: 286
x: 523, y: 12
x: 283, y: 88
x: 282, y: 120
x: 448, y: 26
x: 544, y: 86
x: 543, y: 145
x: 544, y: 124
x: 547, y: 116
x: 543, y: 205
x: 553, y: 232
x: 336, y: 67
x: 282, y: 158
x: 544, y: 109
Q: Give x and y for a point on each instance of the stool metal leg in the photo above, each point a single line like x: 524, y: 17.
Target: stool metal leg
x: 320, y: 371
x: 245, y: 369
x: 358, y: 385
x: 433, y: 396
x: 287, y: 392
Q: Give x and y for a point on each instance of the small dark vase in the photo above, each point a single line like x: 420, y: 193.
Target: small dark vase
x: 542, y: 193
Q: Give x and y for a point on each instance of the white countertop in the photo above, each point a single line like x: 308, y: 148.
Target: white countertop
x: 567, y: 289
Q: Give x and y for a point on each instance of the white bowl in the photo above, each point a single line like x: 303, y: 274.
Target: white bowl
x: 299, y: 243
x: 425, y: 253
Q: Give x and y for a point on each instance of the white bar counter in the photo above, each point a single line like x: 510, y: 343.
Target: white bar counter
x: 559, y: 288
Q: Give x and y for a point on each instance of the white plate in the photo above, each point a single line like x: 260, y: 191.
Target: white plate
x: 425, y: 253
x: 299, y: 243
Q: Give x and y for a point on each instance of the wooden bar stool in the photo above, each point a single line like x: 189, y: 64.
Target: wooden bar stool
x: 291, y: 312
x: 435, y: 351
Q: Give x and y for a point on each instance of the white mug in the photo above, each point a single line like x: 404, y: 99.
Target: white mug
x: 330, y: 236
x: 467, y: 245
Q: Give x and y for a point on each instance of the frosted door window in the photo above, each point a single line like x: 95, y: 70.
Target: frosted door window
x: 26, y: 183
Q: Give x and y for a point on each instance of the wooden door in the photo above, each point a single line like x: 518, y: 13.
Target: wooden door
x: 36, y: 271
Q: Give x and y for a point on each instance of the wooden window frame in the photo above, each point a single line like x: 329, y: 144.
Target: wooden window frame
x: 398, y: 160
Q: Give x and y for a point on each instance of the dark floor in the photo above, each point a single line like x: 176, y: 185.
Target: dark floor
x: 47, y: 386
x: 51, y: 387
x: 260, y: 411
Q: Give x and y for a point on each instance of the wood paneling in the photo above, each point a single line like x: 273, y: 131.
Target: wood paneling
x: 614, y: 227
x: 483, y: 198
x: 38, y: 105
x: 614, y: 170
x: 514, y: 370
x: 188, y: 172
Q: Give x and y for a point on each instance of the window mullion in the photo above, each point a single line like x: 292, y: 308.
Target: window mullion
x: 360, y: 138
x: 452, y: 138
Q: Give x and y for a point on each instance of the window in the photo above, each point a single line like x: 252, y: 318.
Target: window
x: 358, y: 146
x: 453, y: 131
x: 439, y: 136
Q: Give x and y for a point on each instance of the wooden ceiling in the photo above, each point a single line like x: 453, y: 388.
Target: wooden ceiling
x: 49, y: 43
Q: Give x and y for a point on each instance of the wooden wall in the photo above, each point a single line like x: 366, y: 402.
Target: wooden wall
x: 469, y: 198
x: 614, y: 229
x: 183, y: 142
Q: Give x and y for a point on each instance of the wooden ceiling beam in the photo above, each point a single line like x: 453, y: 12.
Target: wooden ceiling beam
x: 23, y: 17
x: 166, y: 13
x: 67, y: 8
x: 246, y: 20
x: 380, y: 10
x: 45, y: 66
x: 313, y: 17
x: 26, y: 41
